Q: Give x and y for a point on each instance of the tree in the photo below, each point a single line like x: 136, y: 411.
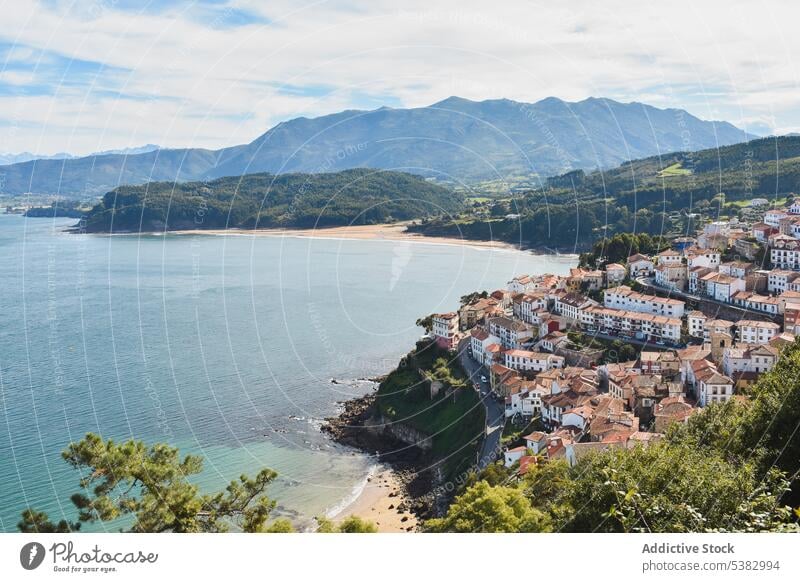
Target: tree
x: 151, y: 484
x: 472, y: 297
x: 491, y: 509
x: 426, y: 323
x: 671, y: 488
x: 37, y: 522
x: 500, y: 208
x: 764, y: 429
x: 351, y: 524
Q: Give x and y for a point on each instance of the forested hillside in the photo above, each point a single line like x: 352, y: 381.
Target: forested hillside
x: 656, y: 195
x: 264, y: 200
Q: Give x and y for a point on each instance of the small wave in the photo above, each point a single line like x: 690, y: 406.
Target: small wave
x: 356, y: 492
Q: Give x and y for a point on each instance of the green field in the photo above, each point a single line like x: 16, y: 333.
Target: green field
x: 674, y: 170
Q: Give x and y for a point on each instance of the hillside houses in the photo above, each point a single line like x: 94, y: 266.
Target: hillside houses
x: 528, y: 337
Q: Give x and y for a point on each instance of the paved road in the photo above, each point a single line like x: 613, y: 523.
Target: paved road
x: 495, y: 411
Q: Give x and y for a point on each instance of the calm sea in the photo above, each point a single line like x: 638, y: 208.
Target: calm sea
x: 223, y: 346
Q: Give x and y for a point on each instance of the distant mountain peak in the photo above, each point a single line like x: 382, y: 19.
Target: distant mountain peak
x: 454, y: 139
x: 453, y: 100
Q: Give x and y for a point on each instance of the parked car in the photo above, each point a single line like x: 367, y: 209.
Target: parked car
x: 484, y: 380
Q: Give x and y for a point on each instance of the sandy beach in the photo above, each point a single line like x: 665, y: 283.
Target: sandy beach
x: 387, y: 232
x: 379, y: 502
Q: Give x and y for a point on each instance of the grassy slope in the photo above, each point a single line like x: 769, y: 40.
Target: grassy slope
x: 456, y: 423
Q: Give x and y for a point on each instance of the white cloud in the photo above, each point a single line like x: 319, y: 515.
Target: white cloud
x: 185, y: 81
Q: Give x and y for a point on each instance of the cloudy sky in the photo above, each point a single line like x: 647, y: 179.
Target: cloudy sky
x: 93, y: 75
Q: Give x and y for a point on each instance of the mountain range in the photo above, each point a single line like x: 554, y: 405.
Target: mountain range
x: 453, y: 141
x: 7, y: 159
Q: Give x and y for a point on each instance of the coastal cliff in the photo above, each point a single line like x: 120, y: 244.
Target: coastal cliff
x: 430, y: 436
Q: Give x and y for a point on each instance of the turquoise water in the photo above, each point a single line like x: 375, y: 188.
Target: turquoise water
x: 224, y: 346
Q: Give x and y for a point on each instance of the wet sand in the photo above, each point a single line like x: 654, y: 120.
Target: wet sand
x: 379, y: 502
x: 387, y: 232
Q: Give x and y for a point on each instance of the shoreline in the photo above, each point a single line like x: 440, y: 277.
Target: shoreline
x: 375, y: 232
x: 394, y: 495
x: 382, y: 500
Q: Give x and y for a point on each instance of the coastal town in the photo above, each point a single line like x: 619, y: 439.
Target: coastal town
x: 612, y: 356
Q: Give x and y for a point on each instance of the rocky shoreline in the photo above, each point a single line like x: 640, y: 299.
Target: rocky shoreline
x: 409, y: 465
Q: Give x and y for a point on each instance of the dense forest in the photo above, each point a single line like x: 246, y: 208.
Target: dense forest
x: 660, y: 195
x: 265, y: 200
x: 57, y: 209
x: 733, y: 467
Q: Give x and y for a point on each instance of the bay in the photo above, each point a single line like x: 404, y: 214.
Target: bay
x: 222, y: 345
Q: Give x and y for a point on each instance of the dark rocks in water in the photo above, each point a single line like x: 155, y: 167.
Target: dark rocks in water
x: 411, y: 466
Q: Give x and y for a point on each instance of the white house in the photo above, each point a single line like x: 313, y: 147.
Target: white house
x: 536, y: 442
x: 578, y: 417
x: 756, y: 332
x: 738, y: 269
x: 785, y: 258
x: 761, y: 231
x: 774, y: 217
x: 779, y: 280
x: 520, y: 284
x: 758, y: 359
x: 671, y: 276
x: 511, y: 456
x: 696, y: 281
x: 633, y: 324
x: 527, y: 361
x: 526, y: 305
x: 696, y: 323
x: 445, y: 329
x: 552, y: 340
x: 669, y: 257
x: 755, y: 302
x: 703, y: 258
x: 623, y: 297
x: 571, y: 304
x: 717, y: 326
x: 480, y: 339
x: 512, y: 333
x: 713, y: 388
x: 615, y: 274
x: 722, y: 287
x: 640, y: 266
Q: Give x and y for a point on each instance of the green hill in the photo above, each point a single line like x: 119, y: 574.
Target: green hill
x: 659, y: 195
x: 263, y: 200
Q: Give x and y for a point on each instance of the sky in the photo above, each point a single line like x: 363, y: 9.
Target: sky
x: 94, y: 75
